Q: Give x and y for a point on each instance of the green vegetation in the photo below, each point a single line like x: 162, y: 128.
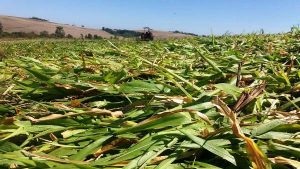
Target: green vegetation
x: 89, y: 36
x: 60, y: 32
x: 122, y: 32
x: 69, y: 36
x: 203, y: 102
x: 97, y: 37
x: 185, y: 33
x: 39, y: 19
x: 44, y: 34
x: 1, y: 29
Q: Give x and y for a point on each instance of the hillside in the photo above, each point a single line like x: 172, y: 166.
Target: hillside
x: 18, y: 24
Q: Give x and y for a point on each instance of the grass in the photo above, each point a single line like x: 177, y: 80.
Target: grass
x: 209, y: 102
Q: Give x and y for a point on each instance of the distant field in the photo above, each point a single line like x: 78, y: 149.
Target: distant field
x: 211, y: 102
x: 17, y: 24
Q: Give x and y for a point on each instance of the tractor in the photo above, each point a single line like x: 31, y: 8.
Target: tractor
x: 147, y: 34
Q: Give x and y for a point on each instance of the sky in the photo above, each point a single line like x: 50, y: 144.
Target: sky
x: 196, y: 16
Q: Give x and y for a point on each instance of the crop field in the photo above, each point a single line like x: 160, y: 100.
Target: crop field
x: 203, y: 102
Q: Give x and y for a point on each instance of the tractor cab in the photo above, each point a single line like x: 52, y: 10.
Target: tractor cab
x: 147, y: 34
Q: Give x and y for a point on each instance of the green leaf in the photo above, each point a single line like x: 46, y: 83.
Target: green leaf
x: 149, y: 143
x: 167, y: 120
x: 200, y: 106
x: 83, y: 153
x: 209, y: 61
x: 229, y: 89
x: 265, y: 127
x: 38, y: 74
x: 6, y: 146
x: 113, y: 77
x: 205, y: 165
x: 142, y: 161
x: 290, y: 103
x: 276, y: 135
x: 138, y: 86
x: 219, y: 151
x: 166, y: 163
x: 288, y: 149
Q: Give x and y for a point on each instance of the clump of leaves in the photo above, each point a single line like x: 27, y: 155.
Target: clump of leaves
x: 127, y: 104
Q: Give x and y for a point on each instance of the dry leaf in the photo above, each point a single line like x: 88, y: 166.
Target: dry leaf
x: 257, y: 157
x: 247, y: 97
x: 69, y: 133
x: 112, y: 145
x: 61, y: 106
x: 75, y: 103
x: 283, y: 52
x: 53, y: 137
x: 93, y: 111
x: 8, y: 120
x: 286, y: 161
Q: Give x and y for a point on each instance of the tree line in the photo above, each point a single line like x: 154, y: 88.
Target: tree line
x: 185, y: 33
x: 122, y: 32
x: 59, y: 33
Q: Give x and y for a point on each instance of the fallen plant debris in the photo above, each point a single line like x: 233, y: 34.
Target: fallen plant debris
x: 202, y: 102
x: 255, y: 154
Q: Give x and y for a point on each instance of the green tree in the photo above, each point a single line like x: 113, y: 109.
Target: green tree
x: 69, y: 36
x: 97, y: 37
x: 1, y: 28
x: 89, y: 36
x: 59, y: 32
x: 44, y: 34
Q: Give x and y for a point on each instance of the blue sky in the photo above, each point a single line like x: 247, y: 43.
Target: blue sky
x: 197, y: 16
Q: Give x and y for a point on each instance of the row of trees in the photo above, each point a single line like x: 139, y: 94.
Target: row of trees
x: 59, y: 33
x: 185, y: 33
x: 122, y: 32
x: 90, y: 36
x: 1, y: 29
x: 39, y: 19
